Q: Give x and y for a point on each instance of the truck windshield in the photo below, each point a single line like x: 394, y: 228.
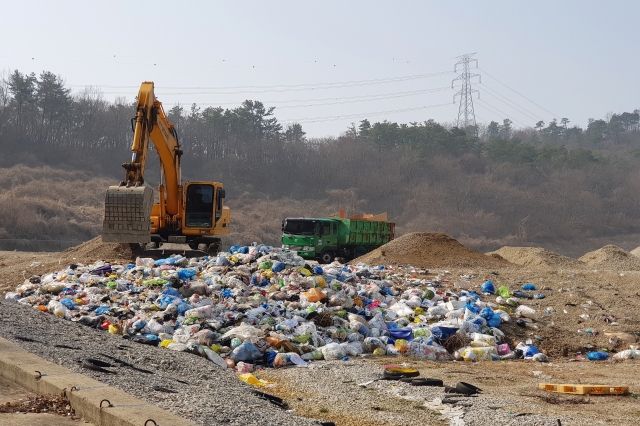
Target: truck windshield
x: 299, y: 227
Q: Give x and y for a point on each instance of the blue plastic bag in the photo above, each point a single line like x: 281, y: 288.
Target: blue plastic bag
x: 530, y: 351
x: 598, y: 356
x: 318, y: 270
x: 442, y: 333
x: 402, y: 333
x: 170, y: 291
x: 102, y: 309
x: 278, y: 266
x: 529, y: 287
x: 183, y: 307
x: 538, y: 296
x: 185, y: 274
x: 167, y: 261
x: 473, y: 308
x: 488, y: 287
x: 68, y: 303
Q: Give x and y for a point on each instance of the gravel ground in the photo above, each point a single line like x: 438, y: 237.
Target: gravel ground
x: 204, y: 393
x: 336, y: 387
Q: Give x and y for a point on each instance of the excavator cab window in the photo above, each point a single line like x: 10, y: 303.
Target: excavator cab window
x: 220, y: 194
x: 199, y: 206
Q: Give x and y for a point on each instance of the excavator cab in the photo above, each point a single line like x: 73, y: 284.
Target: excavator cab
x: 199, y: 206
x: 205, y: 215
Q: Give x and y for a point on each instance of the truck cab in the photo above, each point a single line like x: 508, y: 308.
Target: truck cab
x: 315, y: 238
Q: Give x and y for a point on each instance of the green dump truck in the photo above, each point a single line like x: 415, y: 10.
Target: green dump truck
x: 327, y: 238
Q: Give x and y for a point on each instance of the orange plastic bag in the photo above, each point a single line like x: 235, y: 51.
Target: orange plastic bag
x: 314, y: 295
x: 402, y: 345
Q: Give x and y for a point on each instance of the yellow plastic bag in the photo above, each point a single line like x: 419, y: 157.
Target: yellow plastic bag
x: 304, y: 272
x: 166, y: 343
x: 268, y: 274
x: 253, y: 380
x: 320, y: 282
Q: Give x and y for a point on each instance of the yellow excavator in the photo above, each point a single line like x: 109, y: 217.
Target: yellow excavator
x: 191, y: 214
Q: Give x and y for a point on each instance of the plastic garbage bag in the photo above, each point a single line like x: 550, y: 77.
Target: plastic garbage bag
x: 527, y: 312
x: 503, y: 292
x: 333, y: 351
x: 253, y: 380
x: 370, y: 344
x: 597, y: 356
x: 401, y: 333
x: 247, y: 352
x: 488, y: 287
x: 442, y: 333
x: 245, y: 332
x: 628, y: 354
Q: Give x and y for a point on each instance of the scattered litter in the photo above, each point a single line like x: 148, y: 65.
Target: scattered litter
x: 585, y: 389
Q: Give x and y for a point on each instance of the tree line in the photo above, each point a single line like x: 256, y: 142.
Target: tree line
x: 487, y: 186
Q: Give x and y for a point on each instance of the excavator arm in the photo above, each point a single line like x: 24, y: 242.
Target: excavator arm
x: 150, y: 123
x: 128, y: 206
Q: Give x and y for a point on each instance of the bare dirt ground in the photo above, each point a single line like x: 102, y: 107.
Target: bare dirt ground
x: 598, y: 293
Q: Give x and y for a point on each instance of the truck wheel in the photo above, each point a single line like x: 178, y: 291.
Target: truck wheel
x: 193, y: 246
x: 327, y: 256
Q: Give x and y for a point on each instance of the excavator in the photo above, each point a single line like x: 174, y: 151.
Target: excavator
x: 192, y: 214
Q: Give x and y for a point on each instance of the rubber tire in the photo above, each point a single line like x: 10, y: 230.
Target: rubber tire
x: 193, y: 246
x: 427, y: 382
x: 397, y: 376
x: 467, y: 389
x: 450, y: 389
x: 327, y: 256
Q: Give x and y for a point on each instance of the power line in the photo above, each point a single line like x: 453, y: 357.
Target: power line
x: 363, y: 115
x: 515, y: 106
x: 487, y: 105
x: 554, y: 115
x: 293, y: 87
x: 337, y: 101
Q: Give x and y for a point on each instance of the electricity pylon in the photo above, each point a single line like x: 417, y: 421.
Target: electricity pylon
x: 466, y: 115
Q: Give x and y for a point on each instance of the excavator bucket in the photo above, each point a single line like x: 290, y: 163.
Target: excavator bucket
x: 127, y: 215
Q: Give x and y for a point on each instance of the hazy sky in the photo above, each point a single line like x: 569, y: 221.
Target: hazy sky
x: 326, y: 63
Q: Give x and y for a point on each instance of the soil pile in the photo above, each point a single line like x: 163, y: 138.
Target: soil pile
x: 537, y: 257
x: 611, y: 257
x: 428, y: 250
x: 635, y: 252
x: 95, y: 249
x: 16, y: 266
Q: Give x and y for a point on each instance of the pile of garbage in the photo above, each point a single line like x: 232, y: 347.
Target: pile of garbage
x: 261, y: 305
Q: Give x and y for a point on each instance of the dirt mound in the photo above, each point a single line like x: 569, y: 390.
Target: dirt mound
x: 536, y: 257
x: 95, y: 249
x: 635, y: 252
x: 611, y: 257
x: 428, y: 250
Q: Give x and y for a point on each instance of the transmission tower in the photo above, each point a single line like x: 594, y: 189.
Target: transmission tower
x: 466, y: 115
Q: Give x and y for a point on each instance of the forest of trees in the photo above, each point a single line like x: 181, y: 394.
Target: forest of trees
x: 554, y: 185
